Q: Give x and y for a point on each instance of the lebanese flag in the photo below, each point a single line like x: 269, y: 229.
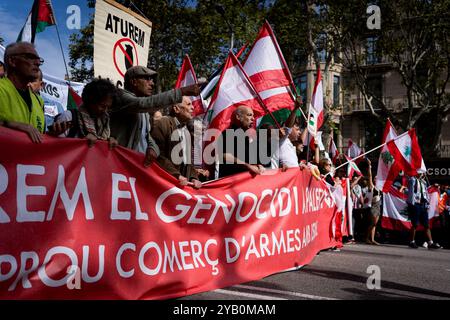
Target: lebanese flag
x: 406, y: 153
x: 333, y: 151
x: 352, y: 168
x: 234, y: 89
x: 268, y: 71
x: 317, y: 102
x: 187, y: 77
x: 40, y: 16
x: 395, y: 210
x: 386, y: 174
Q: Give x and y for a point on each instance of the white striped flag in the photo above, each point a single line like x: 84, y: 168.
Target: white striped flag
x: 268, y: 71
x: 315, y: 114
x: 333, y: 151
x: 40, y: 16
x: 384, y: 174
x: 233, y: 90
x: 187, y: 77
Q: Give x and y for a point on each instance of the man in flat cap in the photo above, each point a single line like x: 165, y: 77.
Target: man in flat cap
x: 130, y: 120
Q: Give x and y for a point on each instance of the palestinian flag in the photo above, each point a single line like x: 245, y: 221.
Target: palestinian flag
x: 40, y: 16
x: 74, y: 101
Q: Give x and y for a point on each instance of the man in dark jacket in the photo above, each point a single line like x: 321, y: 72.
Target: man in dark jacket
x: 173, y: 139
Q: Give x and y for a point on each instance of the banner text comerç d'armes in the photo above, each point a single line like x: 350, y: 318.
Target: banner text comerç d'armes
x: 121, y: 40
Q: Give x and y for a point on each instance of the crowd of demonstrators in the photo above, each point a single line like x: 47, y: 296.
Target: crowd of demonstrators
x: 173, y: 140
x: 158, y: 126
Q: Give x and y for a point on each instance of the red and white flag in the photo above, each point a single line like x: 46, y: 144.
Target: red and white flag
x: 395, y: 209
x: 401, y: 153
x: 268, y: 71
x: 315, y: 116
x: 187, y: 77
x: 233, y: 90
x: 333, y: 151
x: 352, y: 168
x: 406, y: 152
x: 385, y: 176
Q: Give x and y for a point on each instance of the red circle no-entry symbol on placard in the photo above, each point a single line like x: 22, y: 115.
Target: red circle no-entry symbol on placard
x: 125, y: 55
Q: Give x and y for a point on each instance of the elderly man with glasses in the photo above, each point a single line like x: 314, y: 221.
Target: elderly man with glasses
x: 20, y: 108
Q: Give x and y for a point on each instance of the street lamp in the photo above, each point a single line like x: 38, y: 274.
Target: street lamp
x: 220, y: 9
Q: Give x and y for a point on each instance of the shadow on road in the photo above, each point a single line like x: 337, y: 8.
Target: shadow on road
x: 361, y: 279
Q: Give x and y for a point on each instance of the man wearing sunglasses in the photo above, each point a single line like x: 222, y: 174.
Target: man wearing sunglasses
x: 20, y: 108
x: 130, y: 120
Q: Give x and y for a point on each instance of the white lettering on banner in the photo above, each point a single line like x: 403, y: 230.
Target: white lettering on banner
x: 314, y: 200
x: 4, y: 218
x: 153, y: 258
x: 121, y: 194
x: 248, y: 204
x: 7, y: 259
x: 123, y: 273
x: 85, y: 264
x: 70, y: 204
x: 24, y: 190
x: 48, y: 257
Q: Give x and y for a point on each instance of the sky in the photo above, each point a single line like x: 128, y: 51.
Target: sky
x: 13, y: 14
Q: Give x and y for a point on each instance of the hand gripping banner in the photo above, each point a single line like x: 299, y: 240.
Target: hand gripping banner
x: 93, y: 223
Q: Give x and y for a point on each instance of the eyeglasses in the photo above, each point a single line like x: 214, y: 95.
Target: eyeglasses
x: 29, y: 56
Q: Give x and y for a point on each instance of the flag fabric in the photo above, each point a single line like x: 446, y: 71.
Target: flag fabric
x: 208, y: 91
x: 268, y: 71
x: 353, y: 150
x: 187, y: 77
x: 40, y: 17
x: 333, y: 151
x: 405, y: 151
x: 315, y: 115
x: 74, y: 101
x: 395, y: 210
x: 311, y: 141
x: 352, y: 168
x: 233, y: 90
x: 386, y: 176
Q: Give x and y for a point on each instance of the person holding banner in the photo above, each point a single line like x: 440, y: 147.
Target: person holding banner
x: 130, y: 121
x: 91, y: 120
x: 233, y: 161
x: 20, y: 108
x: 172, y: 136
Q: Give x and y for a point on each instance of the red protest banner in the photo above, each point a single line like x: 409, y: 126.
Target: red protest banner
x: 93, y: 223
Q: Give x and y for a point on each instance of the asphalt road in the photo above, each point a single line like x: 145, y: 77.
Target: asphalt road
x: 404, y: 274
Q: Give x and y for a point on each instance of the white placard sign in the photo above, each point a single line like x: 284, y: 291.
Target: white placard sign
x: 121, y: 40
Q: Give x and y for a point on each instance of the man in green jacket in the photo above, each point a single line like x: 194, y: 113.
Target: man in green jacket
x: 20, y: 108
x: 130, y: 121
